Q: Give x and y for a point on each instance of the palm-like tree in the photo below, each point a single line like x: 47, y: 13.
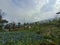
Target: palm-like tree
x: 57, y: 15
x: 2, y: 21
x: 58, y: 21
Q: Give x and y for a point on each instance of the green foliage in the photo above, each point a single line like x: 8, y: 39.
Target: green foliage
x: 47, y: 33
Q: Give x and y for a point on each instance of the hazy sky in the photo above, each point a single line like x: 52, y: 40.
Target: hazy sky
x: 29, y: 10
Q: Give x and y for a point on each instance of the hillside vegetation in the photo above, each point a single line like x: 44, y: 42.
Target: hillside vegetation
x: 47, y: 33
x: 37, y: 33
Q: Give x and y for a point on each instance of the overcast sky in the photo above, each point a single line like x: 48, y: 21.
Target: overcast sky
x: 29, y: 10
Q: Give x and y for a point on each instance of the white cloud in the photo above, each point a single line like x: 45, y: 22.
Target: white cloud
x: 57, y: 5
x: 23, y: 12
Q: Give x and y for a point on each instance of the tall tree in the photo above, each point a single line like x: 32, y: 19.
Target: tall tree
x: 13, y: 25
x: 2, y: 21
x: 19, y: 24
